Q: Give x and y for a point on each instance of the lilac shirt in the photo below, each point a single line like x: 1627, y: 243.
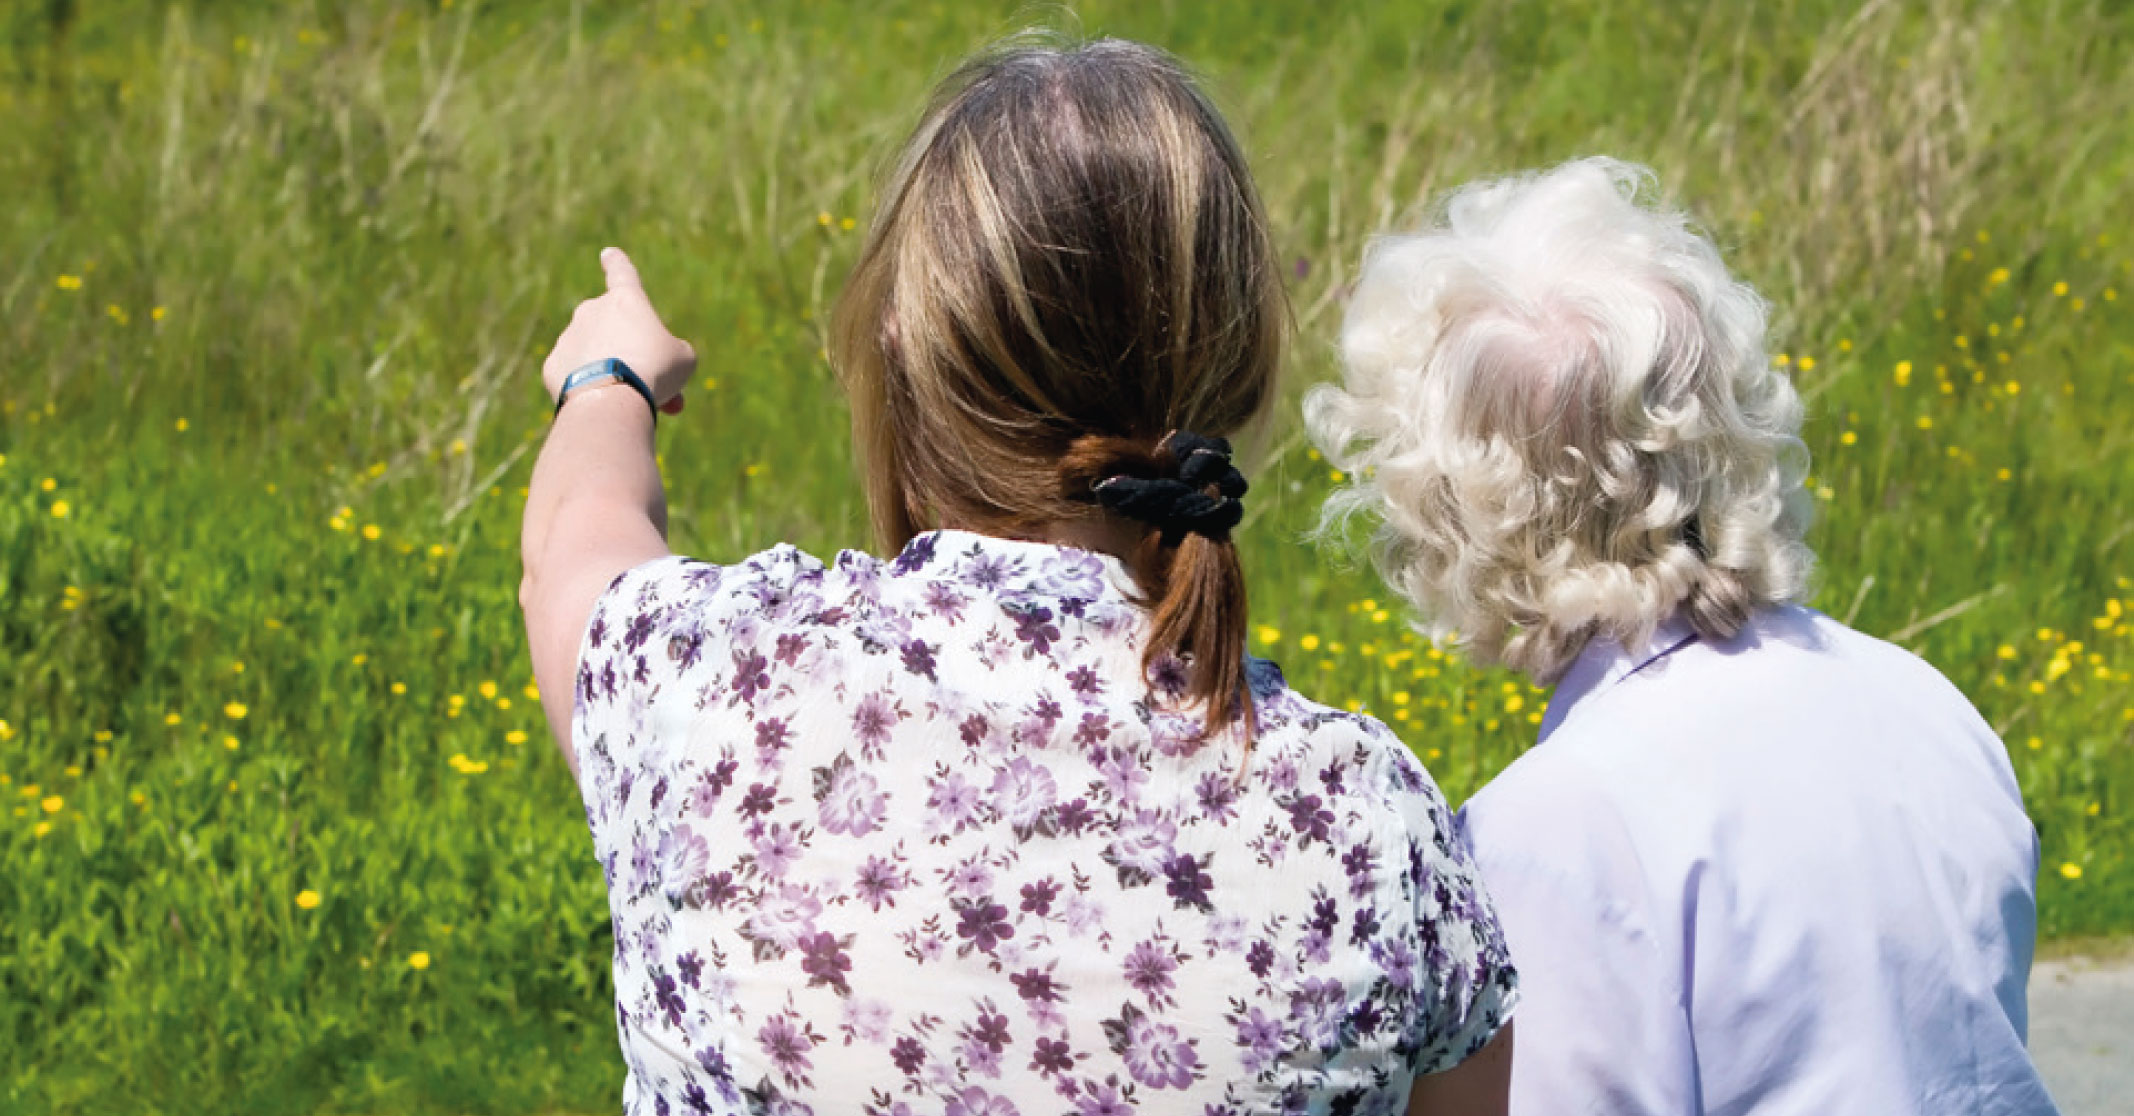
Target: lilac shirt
x: 1787, y: 873
x: 916, y: 837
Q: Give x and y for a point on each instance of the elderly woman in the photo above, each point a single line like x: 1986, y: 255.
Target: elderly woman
x: 1009, y: 823
x: 1759, y: 862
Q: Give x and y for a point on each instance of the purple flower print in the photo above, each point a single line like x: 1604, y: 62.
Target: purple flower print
x: 953, y: 802
x: 823, y: 958
x: 991, y: 1030
x: 751, y: 675
x: 919, y: 659
x: 704, y: 793
x: 1217, y: 794
x: 878, y: 882
x: 908, y: 1055
x: 1309, y: 816
x: 1094, y: 729
x: 1148, y: 969
x: 1156, y: 1055
x: 666, y: 992
x: 1143, y: 844
x: 686, y: 647
x: 916, y: 556
x: 776, y: 849
x: 781, y: 918
x: 849, y: 801
x: 944, y: 602
x: 773, y: 737
x: 1038, y: 897
x: 1260, y: 1036
x: 867, y: 1021
x: 988, y: 571
x: 640, y: 630
x: 1085, y: 683
x: 1022, y: 792
x: 970, y: 878
x: 1037, y: 987
x: 1396, y: 958
x: 985, y: 923
x: 689, y: 967
x: 1187, y: 882
x: 1316, y: 1009
x: 978, y: 1102
x: 760, y: 800
x: 1102, y: 1100
x: 1124, y: 775
x: 790, y: 645
x: 1170, y: 676
x: 1051, y: 1056
x: 872, y: 718
x: 786, y: 1040
x: 1034, y: 626
x: 684, y: 857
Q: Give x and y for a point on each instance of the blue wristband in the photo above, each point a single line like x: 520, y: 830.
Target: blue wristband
x: 608, y: 369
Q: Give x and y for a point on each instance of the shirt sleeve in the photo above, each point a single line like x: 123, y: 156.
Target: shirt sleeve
x: 1467, y: 986
x: 1602, y: 1028
x: 660, y: 635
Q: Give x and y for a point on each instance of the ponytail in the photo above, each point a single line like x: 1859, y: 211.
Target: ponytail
x: 1186, y: 492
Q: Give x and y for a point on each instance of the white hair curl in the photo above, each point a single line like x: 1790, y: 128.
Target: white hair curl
x: 1558, y: 404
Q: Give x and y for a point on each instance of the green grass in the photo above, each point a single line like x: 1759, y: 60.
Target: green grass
x: 272, y: 276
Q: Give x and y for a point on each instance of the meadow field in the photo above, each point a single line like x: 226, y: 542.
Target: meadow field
x: 281, y: 826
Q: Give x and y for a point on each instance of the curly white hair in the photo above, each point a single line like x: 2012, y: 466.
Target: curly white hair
x: 1557, y: 403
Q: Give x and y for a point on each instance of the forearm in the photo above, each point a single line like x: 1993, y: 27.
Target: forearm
x: 594, y: 509
x: 597, y: 464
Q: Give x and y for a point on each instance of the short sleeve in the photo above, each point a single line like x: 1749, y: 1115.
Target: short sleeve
x: 1468, y: 984
x: 661, y: 633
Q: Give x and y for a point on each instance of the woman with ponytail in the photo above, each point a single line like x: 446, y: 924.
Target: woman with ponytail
x: 1009, y: 823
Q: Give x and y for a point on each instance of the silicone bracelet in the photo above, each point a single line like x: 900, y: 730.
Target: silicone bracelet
x: 608, y: 369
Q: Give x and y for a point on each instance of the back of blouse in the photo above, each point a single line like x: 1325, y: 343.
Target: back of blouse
x: 918, y: 836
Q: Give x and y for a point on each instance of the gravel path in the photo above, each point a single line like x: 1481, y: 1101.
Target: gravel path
x: 2082, y: 1033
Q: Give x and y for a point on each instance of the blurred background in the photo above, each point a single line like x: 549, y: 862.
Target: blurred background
x: 281, y: 825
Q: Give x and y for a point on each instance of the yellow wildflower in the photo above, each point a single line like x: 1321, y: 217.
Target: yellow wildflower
x: 515, y: 736
x: 307, y: 899
x: 2071, y: 870
x: 61, y: 509
x: 53, y: 804
x: 419, y: 960
x: 70, y: 282
x: 235, y: 711
x: 1309, y: 643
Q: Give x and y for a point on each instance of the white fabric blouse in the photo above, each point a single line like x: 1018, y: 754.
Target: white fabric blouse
x: 1787, y: 874
x: 915, y: 837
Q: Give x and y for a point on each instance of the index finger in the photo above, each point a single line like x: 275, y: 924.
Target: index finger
x: 622, y: 274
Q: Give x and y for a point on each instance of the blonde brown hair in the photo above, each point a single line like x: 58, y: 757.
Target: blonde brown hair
x: 1068, y: 264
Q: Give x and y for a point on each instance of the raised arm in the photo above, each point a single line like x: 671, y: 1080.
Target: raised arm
x: 595, y: 507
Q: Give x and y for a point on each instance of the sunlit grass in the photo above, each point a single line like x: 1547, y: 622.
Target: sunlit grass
x: 281, y: 824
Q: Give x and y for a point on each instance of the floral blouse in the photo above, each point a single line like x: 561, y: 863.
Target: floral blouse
x: 921, y: 836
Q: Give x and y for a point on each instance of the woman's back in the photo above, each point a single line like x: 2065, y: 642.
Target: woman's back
x: 911, y: 836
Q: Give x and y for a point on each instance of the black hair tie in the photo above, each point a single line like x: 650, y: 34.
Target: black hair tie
x: 1180, y: 504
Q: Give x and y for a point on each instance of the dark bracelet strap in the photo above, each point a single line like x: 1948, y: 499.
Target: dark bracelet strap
x: 608, y: 369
